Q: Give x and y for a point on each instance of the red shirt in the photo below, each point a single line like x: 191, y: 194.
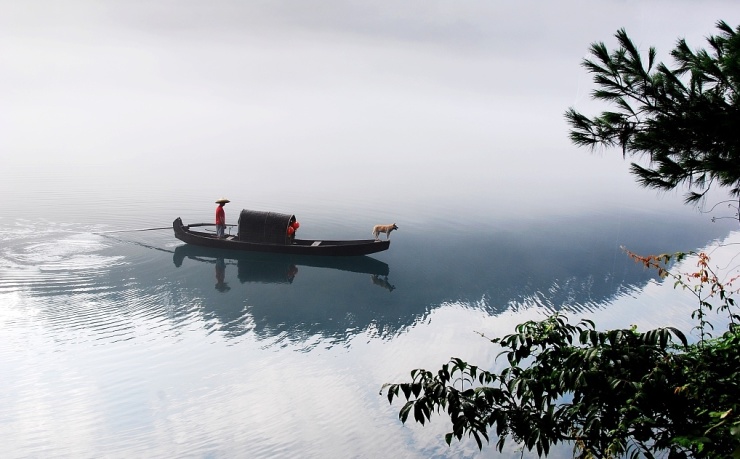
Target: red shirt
x: 220, y: 215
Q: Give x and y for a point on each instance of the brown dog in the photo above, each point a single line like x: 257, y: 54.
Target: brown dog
x: 377, y: 229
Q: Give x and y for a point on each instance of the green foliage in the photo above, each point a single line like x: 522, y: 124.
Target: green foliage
x: 682, y: 120
x: 712, y: 375
x: 613, y: 393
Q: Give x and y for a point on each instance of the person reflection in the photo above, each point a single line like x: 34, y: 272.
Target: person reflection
x: 221, y: 286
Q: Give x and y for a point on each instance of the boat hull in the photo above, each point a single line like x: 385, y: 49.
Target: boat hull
x: 298, y: 247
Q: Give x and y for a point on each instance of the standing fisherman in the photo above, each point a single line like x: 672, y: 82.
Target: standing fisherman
x: 221, y: 217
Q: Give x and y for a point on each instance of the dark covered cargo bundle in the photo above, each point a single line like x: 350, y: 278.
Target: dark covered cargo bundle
x: 265, y: 227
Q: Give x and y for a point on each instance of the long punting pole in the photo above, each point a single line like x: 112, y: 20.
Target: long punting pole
x: 154, y: 229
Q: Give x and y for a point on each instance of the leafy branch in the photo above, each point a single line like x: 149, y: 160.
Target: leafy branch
x: 682, y: 120
x: 703, y: 283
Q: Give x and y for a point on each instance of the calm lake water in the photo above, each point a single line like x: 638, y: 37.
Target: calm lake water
x: 133, y: 344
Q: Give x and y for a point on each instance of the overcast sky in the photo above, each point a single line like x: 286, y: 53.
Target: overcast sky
x: 121, y: 82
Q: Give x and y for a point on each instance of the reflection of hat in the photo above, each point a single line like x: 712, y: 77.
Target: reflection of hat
x: 222, y: 201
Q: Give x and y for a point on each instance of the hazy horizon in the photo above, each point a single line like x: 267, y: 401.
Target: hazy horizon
x: 319, y: 99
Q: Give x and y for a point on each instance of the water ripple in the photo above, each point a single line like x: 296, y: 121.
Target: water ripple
x: 64, y: 263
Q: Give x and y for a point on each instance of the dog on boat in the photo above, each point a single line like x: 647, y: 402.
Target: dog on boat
x: 377, y: 229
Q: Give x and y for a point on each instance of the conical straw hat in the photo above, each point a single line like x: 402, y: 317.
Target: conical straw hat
x: 222, y: 201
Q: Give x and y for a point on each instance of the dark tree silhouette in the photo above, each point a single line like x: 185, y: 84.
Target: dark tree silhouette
x: 684, y: 121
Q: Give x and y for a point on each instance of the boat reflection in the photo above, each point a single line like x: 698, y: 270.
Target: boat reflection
x: 288, y: 296
x: 278, y: 268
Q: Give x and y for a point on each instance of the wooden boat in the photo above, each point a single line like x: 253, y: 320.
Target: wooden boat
x: 268, y: 232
